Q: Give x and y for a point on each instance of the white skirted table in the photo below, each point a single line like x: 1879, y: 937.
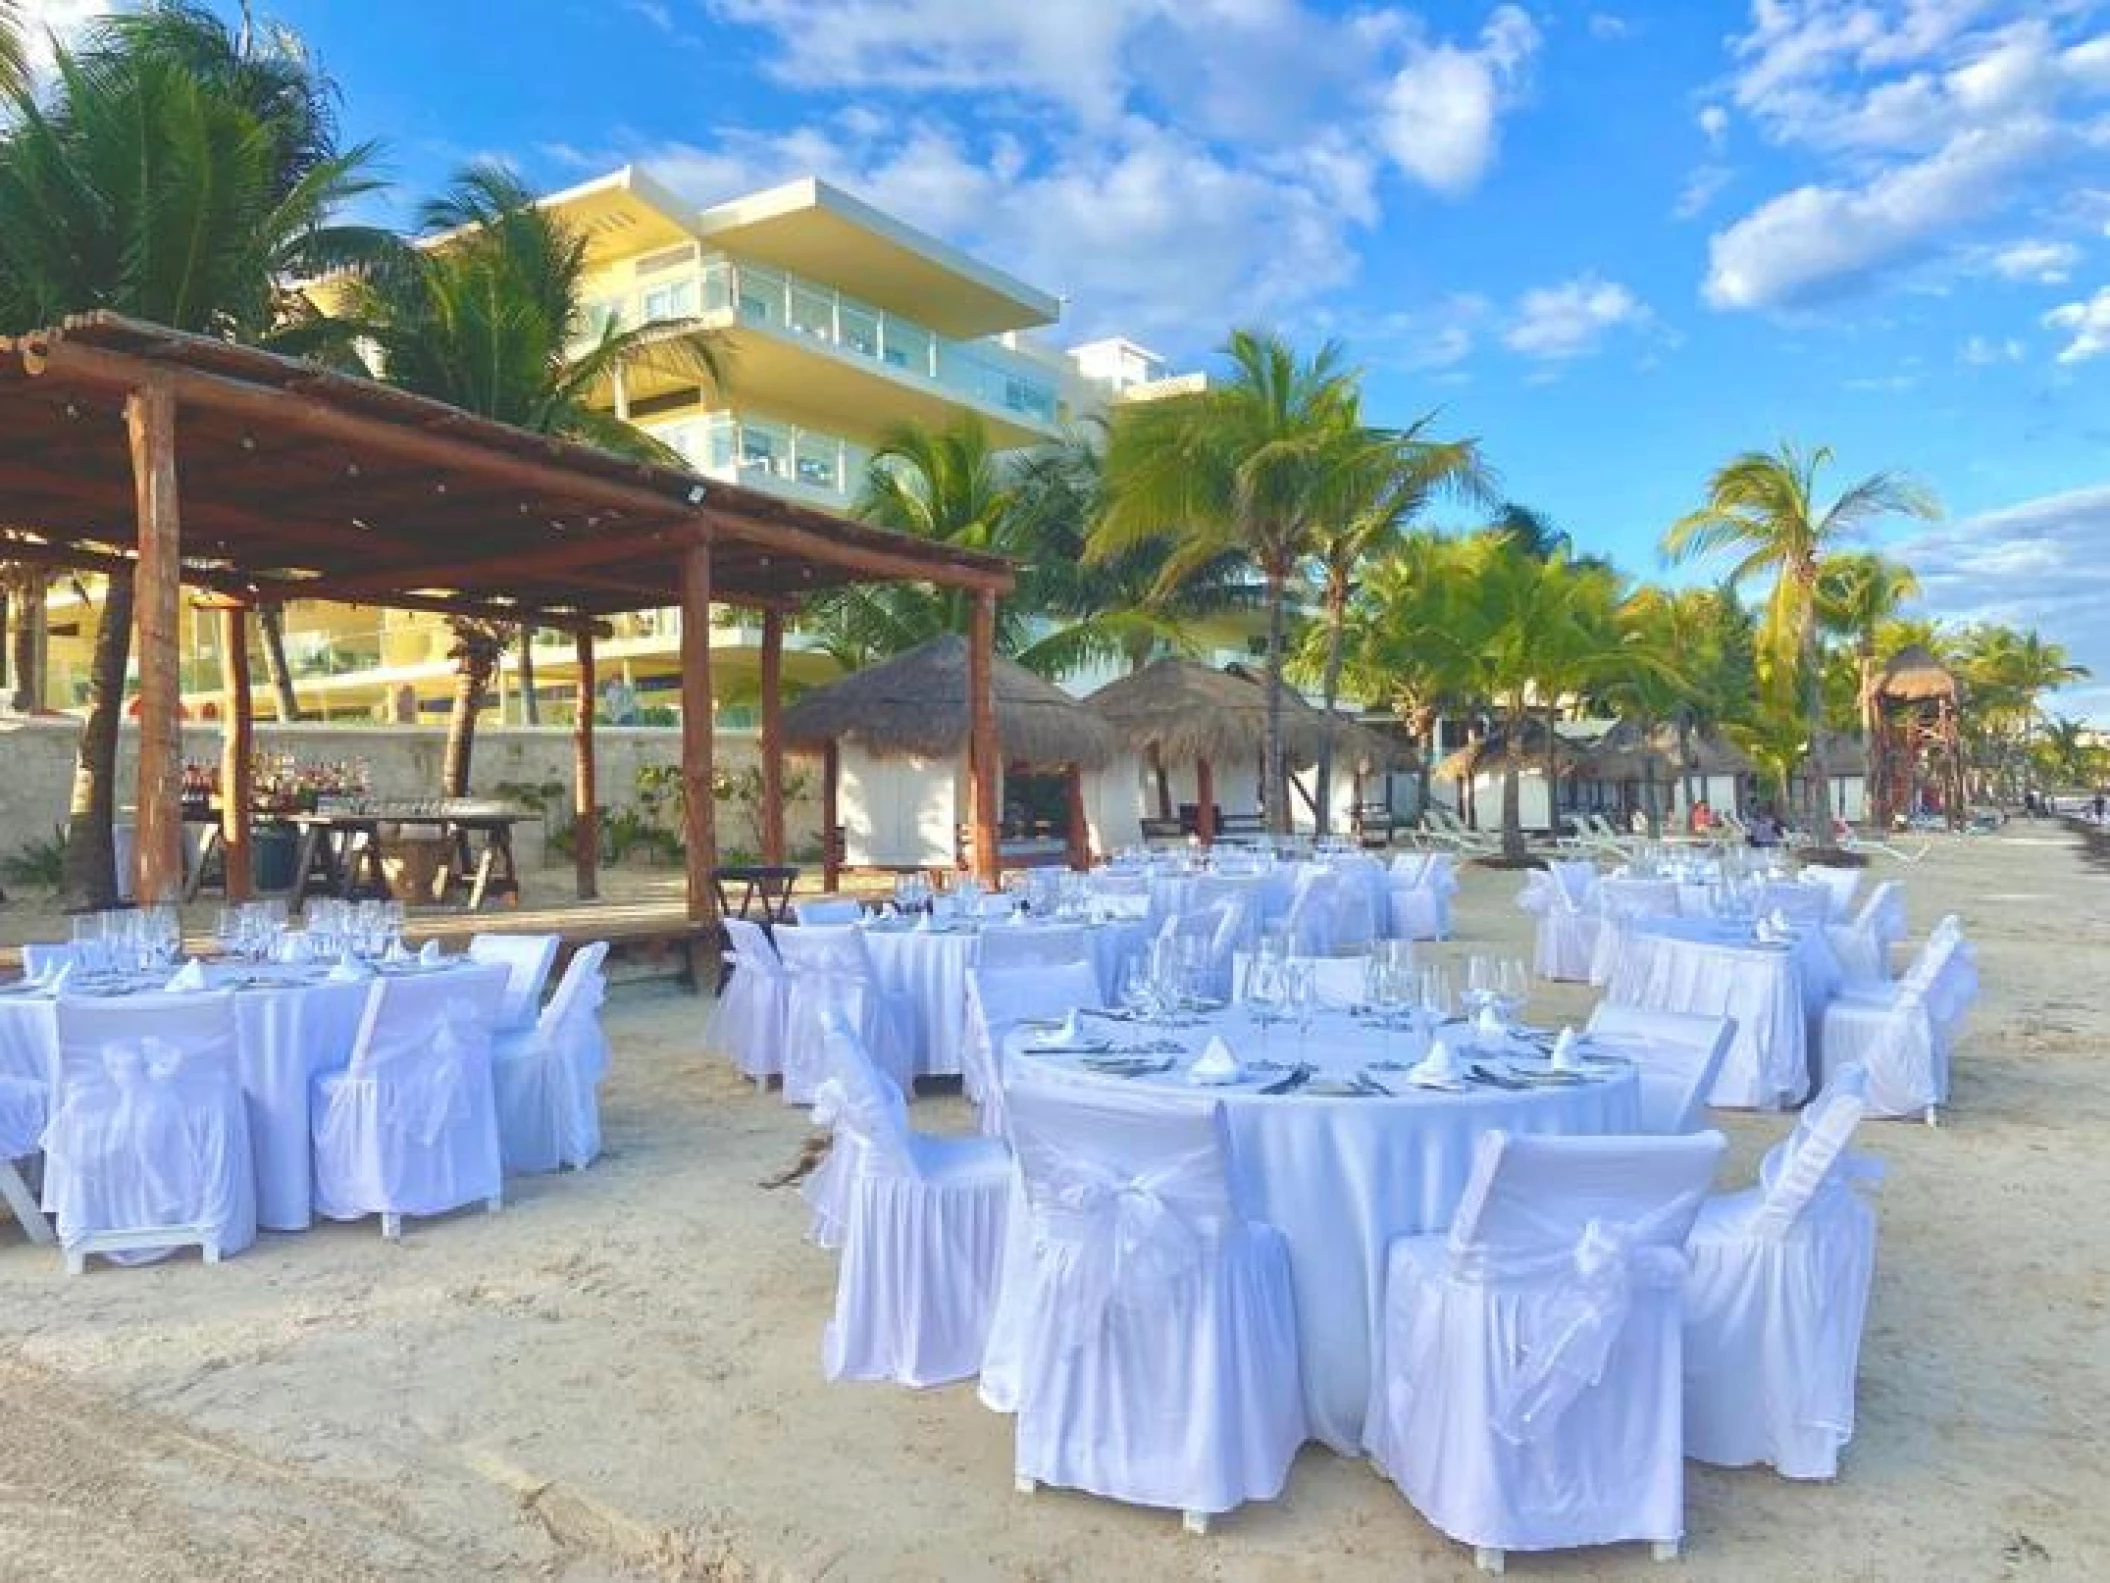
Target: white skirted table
x: 1342, y: 1173
x: 292, y: 1022
x: 926, y: 969
x: 1776, y: 991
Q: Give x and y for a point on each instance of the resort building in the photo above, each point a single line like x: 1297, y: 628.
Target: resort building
x: 835, y: 321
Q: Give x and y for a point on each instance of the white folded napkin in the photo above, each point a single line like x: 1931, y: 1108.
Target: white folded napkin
x: 187, y: 979
x: 1216, y: 1064
x: 1440, y: 1065
x: 350, y: 970
x: 293, y: 946
x: 429, y: 953
x: 396, y: 951
x: 925, y: 922
x: 1567, y: 1051
x: 1487, y: 1027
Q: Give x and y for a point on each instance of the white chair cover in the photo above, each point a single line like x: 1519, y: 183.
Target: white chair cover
x: 1337, y: 981
x: 1778, y: 1297
x: 410, y: 1125
x: 147, y: 1148
x: 831, y: 973
x: 1806, y: 906
x: 1003, y: 949
x: 998, y: 1000
x: 527, y: 959
x: 22, y: 1120
x: 921, y: 1229
x: 1421, y: 887
x: 1525, y: 1393
x: 1223, y: 929
x: 747, y: 1023
x: 1678, y: 1055
x: 1312, y: 913
x: 1361, y: 903
x: 828, y: 911
x: 1564, y: 897
x: 1903, y: 1033
x: 1158, y: 1342
x: 1840, y: 883
x: 544, y: 1078
x: 1863, y: 945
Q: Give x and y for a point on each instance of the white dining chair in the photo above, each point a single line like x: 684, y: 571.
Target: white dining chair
x: 147, y: 1149
x: 1563, y: 897
x: 1904, y: 1033
x: 527, y: 959
x: 409, y: 1125
x: 1419, y: 890
x: 1676, y: 1056
x: 999, y: 1000
x: 24, y: 1107
x: 1863, y: 943
x: 831, y: 973
x: 1840, y: 885
x: 544, y: 1079
x: 747, y: 1022
x: 1525, y: 1373
x: 1158, y: 1360
x: 921, y: 1230
x: 1777, y: 1299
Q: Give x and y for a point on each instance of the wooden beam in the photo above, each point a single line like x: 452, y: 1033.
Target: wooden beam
x: 236, y: 751
x: 150, y: 425
x: 772, y: 736
x: 585, y: 796
x: 589, y: 549
x: 1080, y: 835
x: 1205, y: 802
x: 982, y: 748
x: 831, y: 783
x: 699, y: 803
x: 795, y: 543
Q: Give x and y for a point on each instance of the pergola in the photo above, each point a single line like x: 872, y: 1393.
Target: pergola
x: 259, y: 479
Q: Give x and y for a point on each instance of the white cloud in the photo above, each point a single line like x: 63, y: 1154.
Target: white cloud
x: 1441, y: 116
x: 1554, y: 323
x: 1701, y: 188
x: 2086, y: 323
x: 1607, y: 25
x: 1982, y: 351
x: 1928, y: 120
x: 2037, y: 564
x: 1814, y: 242
x: 2050, y: 263
x: 1714, y: 125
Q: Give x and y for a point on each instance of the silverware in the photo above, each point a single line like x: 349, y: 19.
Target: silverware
x: 1299, y: 1075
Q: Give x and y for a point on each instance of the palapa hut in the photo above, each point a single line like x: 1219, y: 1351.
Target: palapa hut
x: 1627, y: 769
x: 893, y: 745
x: 1479, y: 768
x: 1708, y: 768
x: 1193, y: 725
x: 1913, y: 717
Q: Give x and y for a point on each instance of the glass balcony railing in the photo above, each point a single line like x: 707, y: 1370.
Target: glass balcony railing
x: 773, y: 299
x: 780, y: 457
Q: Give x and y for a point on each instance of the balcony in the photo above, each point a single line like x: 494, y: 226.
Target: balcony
x: 782, y: 458
x: 799, y: 312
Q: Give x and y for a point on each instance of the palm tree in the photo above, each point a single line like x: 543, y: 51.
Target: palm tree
x: 14, y: 56
x: 271, y: 631
x: 491, y: 317
x: 1763, y: 507
x: 162, y: 181
x: 26, y: 586
x: 1857, y: 595
x: 1385, y: 479
x: 1249, y: 465
x: 2009, y: 672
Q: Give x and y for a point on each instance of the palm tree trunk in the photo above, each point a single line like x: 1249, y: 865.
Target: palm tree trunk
x: 1875, y: 796
x: 91, y: 857
x: 1513, y: 783
x: 530, y: 710
x: 1553, y: 770
x: 1272, y: 780
x: 1330, y: 690
x: 26, y: 638
x: 471, y: 682
x: 271, y: 624
x: 1813, y: 716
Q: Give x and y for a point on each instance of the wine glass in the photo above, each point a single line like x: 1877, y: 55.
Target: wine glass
x: 1513, y: 989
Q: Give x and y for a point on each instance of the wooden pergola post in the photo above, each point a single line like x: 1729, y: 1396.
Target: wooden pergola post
x: 982, y: 749
x: 150, y: 422
x: 585, y: 794
x: 772, y: 736
x: 831, y: 782
x: 1080, y: 842
x: 1205, y: 802
x: 237, y: 751
x: 699, y: 811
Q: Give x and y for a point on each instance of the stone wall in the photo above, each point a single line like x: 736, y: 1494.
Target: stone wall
x: 36, y: 769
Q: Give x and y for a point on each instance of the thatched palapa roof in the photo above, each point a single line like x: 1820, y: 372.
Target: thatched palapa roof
x: 1711, y: 753
x: 1915, y: 676
x: 915, y: 705
x: 1491, y: 755
x: 1626, y: 753
x: 1189, y: 712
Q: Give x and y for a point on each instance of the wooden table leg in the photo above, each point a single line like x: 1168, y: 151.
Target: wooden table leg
x: 304, y: 865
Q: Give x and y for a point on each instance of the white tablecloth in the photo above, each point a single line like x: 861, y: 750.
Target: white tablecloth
x: 927, y: 973
x: 1776, y: 993
x: 290, y: 1026
x: 1340, y: 1177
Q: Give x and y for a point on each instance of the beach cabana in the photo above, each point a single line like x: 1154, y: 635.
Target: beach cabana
x: 1479, y: 768
x: 1707, y: 767
x: 1193, y: 722
x: 1631, y: 766
x: 258, y: 479
x: 1914, y: 714
x: 894, y: 743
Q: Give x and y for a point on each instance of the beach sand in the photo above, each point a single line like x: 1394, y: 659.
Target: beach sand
x: 619, y: 1375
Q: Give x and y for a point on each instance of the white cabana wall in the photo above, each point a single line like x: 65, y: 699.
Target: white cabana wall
x: 900, y: 812
x: 1116, y: 799
x: 1487, y: 799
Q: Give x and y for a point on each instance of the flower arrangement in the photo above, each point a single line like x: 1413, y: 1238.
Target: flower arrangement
x: 282, y: 783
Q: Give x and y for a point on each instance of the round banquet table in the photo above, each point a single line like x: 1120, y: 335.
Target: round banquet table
x: 291, y: 1022
x: 1776, y: 992
x: 1341, y: 1175
x: 925, y: 970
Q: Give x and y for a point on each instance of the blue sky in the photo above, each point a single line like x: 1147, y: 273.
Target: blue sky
x: 1617, y: 241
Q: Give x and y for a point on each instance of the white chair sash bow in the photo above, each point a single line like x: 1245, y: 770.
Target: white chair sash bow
x: 1110, y: 1238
